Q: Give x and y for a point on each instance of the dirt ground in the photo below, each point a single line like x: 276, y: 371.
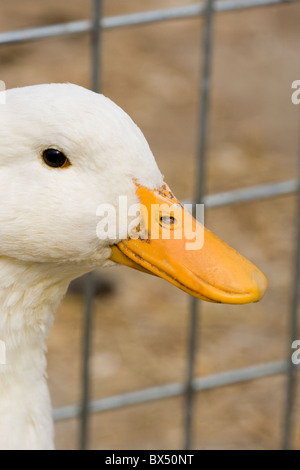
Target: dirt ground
x: 140, y: 328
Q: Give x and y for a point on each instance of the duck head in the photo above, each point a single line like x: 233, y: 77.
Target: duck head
x: 80, y: 187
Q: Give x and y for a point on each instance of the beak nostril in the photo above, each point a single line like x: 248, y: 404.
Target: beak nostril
x: 167, y: 220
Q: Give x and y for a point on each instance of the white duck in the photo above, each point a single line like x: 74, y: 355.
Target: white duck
x: 64, y: 151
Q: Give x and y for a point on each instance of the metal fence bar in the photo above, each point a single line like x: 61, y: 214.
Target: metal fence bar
x: 200, y: 190
x: 291, y: 372
x: 96, y: 45
x: 89, y: 278
x: 221, y: 379
x: 86, y: 354
x: 184, y: 12
x: 254, y: 193
x: 133, y: 19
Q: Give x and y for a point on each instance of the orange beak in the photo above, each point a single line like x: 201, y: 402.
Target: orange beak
x: 173, y: 245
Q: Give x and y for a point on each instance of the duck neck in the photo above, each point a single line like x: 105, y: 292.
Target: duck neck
x: 29, y: 295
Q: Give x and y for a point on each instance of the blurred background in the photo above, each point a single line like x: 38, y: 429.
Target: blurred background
x: 140, y: 324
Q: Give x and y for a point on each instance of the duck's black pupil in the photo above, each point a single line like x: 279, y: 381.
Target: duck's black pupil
x: 54, y: 158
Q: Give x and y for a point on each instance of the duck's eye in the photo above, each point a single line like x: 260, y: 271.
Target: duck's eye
x: 55, y: 158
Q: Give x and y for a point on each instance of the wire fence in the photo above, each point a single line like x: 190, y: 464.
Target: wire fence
x: 193, y: 384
